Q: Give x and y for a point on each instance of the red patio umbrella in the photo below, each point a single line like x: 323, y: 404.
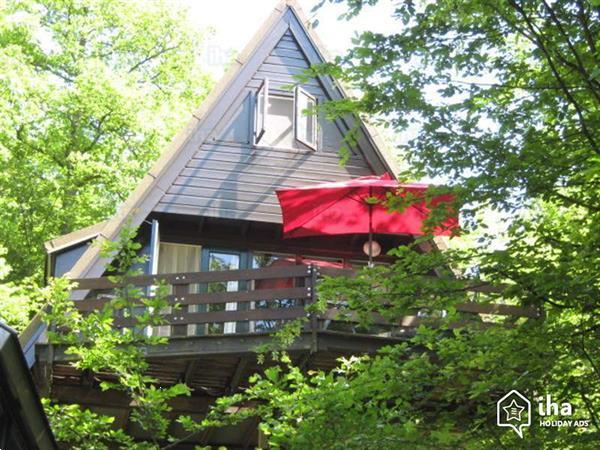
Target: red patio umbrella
x: 343, y: 208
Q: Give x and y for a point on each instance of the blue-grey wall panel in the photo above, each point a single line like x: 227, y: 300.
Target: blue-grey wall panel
x: 66, y: 259
x: 237, y: 127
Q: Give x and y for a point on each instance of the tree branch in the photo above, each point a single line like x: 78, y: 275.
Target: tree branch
x: 514, y: 86
x: 579, y: 66
x: 588, y: 357
x: 583, y: 19
x: 151, y: 57
x: 98, y: 133
x: 573, y: 201
x: 540, y: 44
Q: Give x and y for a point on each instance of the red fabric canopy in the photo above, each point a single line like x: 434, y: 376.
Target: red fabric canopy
x: 341, y: 208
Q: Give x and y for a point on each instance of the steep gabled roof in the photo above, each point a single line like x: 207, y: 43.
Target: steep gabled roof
x: 20, y: 407
x: 287, y: 16
x: 75, y: 237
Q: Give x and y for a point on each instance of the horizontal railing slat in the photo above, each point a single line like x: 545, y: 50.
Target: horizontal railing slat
x: 258, y: 294
x: 376, y: 319
x: 336, y: 272
x: 403, y: 321
x: 265, y: 273
x: 212, y: 298
x: 482, y: 287
x: 414, y: 321
x: 225, y: 316
x: 498, y: 309
x: 477, y: 308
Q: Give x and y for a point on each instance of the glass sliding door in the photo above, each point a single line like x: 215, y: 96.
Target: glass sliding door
x: 178, y: 258
x: 217, y: 260
x: 264, y: 260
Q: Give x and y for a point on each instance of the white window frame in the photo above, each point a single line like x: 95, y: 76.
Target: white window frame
x: 260, y: 116
x: 261, y: 121
x: 298, y: 115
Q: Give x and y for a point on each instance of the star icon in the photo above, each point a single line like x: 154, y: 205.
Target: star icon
x: 513, y: 411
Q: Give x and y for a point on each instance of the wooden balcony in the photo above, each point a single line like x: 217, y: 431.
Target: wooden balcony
x: 216, y: 349
x: 217, y: 361
x: 262, y: 300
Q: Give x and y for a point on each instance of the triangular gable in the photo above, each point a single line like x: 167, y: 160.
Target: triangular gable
x: 229, y: 177
x: 169, y: 185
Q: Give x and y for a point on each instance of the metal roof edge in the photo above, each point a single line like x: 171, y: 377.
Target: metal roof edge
x: 74, y: 237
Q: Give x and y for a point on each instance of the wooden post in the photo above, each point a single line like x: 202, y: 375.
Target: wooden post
x: 189, y: 371
x: 314, y: 320
x: 48, y: 368
x: 238, y: 374
x: 180, y: 291
x: 263, y: 441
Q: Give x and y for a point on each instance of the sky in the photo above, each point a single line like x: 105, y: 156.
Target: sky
x: 234, y: 22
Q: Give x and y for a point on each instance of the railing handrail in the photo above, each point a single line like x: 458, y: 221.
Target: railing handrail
x: 473, y: 286
x: 264, y: 273
x: 211, y: 298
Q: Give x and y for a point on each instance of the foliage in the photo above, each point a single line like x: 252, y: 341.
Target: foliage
x: 84, y: 429
x: 99, y: 346
x: 504, y: 95
x: 18, y: 304
x: 90, y: 92
x: 437, y: 389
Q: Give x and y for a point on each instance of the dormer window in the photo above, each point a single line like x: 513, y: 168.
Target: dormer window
x: 283, y: 120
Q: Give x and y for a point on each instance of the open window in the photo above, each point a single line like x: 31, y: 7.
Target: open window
x: 284, y: 120
x: 305, y: 129
x: 260, y: 110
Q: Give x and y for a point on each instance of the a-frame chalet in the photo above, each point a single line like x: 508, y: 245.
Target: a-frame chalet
x: 209, y: 204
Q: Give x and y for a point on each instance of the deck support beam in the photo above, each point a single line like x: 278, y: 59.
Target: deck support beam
x: 240, y: 369
x: 244, y: 344
x: 90, y: 397
x: 189, y: 371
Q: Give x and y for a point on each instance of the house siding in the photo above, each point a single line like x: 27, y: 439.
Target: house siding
x: 239, y: 182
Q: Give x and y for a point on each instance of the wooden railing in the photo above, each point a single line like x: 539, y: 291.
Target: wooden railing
x: 188, y: 289
x: 261, y: 295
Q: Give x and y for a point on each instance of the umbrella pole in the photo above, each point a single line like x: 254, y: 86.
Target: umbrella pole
x: 370, y: 230
x: 370, y: 250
